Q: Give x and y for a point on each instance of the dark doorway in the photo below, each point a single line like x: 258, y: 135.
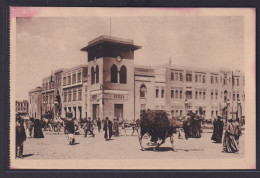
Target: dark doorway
x: 95, y: 111
x: 118, y: 110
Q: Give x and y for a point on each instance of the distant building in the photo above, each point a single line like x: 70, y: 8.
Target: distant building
x: 35, y: 103
x: 110, y: 85
x: 21, y: 107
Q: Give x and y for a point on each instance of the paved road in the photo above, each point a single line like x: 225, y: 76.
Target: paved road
x: 55, y: 146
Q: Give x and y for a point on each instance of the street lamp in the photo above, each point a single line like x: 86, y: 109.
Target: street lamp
x: 239, y: 109
x: 186, y: 106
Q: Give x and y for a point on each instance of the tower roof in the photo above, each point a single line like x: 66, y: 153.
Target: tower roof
x: 104, y: 39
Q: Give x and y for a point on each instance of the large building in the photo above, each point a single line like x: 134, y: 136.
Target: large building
x: 110, y: 85
x: 35, y: 103
x: 21, y: 107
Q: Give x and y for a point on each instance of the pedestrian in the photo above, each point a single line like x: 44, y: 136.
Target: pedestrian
x: 99, y: 124
x: 116, y: 126
x: 70, y: 128
x: 30, y: 126
x: 237, y: 130
x: 108, y: 129
x: 135, y: 126
x: 229, y: 142
x: 88, y: 127
x: 217, y: 130
x: 20, y: 137
x: 38, y: 129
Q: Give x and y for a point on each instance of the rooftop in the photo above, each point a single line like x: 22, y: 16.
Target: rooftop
x: 110, y: 39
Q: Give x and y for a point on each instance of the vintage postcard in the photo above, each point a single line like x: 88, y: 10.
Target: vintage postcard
x: 132, y: 88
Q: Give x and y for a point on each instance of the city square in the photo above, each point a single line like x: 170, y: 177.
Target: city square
x: 55, y: 146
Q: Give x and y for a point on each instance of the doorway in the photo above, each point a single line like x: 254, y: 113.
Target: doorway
x: 118, y: 110
x: 95, y: 111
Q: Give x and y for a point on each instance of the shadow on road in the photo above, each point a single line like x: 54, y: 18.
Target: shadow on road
x: 158, y: 149
x: 27, y: 155
x: 187, y: 150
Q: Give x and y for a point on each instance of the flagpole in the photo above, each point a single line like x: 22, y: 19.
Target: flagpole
x: 110, y: 25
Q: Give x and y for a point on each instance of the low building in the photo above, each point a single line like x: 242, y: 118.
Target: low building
x: 21, y: 107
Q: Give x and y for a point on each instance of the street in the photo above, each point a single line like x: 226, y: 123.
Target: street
x: 55, y: 146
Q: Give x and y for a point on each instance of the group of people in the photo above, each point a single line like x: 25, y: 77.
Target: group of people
x: 231, y: 135
x: 26, y: 128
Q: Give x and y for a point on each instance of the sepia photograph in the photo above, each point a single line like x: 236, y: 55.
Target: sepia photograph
x: 127, y: 88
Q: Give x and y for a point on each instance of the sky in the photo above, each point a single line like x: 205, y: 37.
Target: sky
x: 44, y: 44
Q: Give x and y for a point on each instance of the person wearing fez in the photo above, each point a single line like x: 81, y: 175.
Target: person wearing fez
x: 108, y: 129
x: 70, y: 128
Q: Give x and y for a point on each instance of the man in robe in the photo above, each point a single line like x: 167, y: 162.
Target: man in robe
x: 218, y: 130
x: 108, y: 129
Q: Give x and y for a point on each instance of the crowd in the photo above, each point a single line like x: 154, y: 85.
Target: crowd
x: 32, y: 128
x: 231, y: 135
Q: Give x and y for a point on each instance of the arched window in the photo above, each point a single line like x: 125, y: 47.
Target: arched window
x: 113, y: 74
x: 97, y: 74
x: 92, y: 75
x: 143, y: 91
x: 123, y: 74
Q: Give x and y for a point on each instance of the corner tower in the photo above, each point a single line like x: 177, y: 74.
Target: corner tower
x: 110, y: 78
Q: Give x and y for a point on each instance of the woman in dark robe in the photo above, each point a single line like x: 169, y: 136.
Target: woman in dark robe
x: 218, y: 130
x: 229, y: 142
x: 38, y: 129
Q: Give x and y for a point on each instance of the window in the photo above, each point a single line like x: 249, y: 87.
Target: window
x: 74, y: 95
x: 216, y: 96
x: 199, y: 78
x: 142, y: 91
x: 237, y: 82
x: 196, y: 78
x: 176, y: 93
x: 73, y: 78
x: 172, y: 113
x: 181, y: 94
x: 79, y: 77
x: 69, y: 99
x: 92, y: 75
x: 188, y: 94
x: 204, y: 79
x: 212, y: 114
x: 189, y: 77
x: 196, y: 95
x: 180, y: 112
x: 113, y: 74
x: 216, y: 80
x: 162, y: 93
x: 69, y: 80
x: 172, y: 93
x: 65, y: 96
x: 200, y: 95
x: 177, y: 113
x: 181, y: 79
x: 47, y: 99
x: 176, y: 76
x: 123, y: 74
x: 97, y: 74
x: 80, y: 95
x: 172, y: 76
x: 212, y: 95
x: 211, y: 81
x: 238, y: 96
x: 157, y: 93
x: 234, y: 97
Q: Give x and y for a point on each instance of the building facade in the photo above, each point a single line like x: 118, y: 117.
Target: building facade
x: 35, y: 103
x: 21, y: 107
x: 74, y: 86
x: 110, y: 85
x: 51, y: 94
